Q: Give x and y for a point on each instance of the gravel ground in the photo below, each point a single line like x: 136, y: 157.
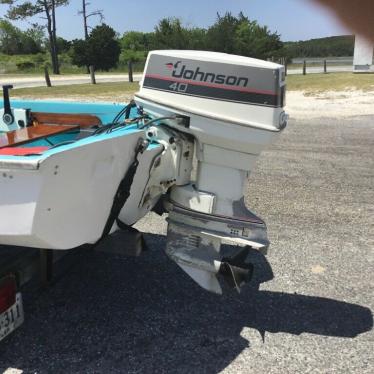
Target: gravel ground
x: 315, y: 189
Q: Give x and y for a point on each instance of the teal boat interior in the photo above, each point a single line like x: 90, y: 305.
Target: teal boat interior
x: 108, y: 120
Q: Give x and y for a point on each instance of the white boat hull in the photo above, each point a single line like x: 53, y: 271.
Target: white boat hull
x: 63, y: 201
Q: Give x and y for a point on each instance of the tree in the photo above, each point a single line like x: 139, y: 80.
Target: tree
x: 322, y: 47
x: 221, y: 36
x: 45, y: 8
x: 10, y: 38
x: 83, y: 12
x: 196, y: 38
x: 14, y: 41
x: 63, y: 45
x: 257, y: 41
x: 170, y: 34
x: 80, y: 55
x: 101, y: 49
x: 241, y: 36
x: 33, y: 40
x: 135, y: 41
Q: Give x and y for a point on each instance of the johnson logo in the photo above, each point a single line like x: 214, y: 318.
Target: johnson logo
x: 180, y: 71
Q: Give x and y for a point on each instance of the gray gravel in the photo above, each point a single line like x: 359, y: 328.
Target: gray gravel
x: 315, y: 189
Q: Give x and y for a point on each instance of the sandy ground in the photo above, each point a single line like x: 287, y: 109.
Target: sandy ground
x: 333, y: 104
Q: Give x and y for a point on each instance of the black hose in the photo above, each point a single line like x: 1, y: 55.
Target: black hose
x: 156, y: 120
x: 124, y: 111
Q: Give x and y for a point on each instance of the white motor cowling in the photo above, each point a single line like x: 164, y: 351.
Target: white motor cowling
x: 233, y: 107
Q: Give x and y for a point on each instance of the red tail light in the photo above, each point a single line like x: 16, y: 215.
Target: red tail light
x: 8, y: 289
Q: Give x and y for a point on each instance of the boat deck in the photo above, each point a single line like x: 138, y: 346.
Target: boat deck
x: 46, y: 125
x: 28, y: 134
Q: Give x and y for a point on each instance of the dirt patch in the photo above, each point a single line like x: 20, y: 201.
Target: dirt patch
x: 332, y: 104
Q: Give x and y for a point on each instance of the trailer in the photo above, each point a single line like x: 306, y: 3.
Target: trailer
x: 18, y: 266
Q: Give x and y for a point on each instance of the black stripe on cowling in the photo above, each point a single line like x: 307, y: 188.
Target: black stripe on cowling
x: 214, y: 92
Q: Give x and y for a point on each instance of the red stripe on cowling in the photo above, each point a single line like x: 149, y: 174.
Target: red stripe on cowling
x: 213, y: 85
x: 20, y: 151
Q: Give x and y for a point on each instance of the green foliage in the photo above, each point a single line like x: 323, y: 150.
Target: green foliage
x: 9, y: 38
x: 221, y: 36
x: 257, y: 41
x: 32, y: 8
x: 101, y: 49
x: 80, y: 55
x: 170, y: 34
x: 15, y: 63
x: 33, y: 39
x: 323, y: 47
x: 136, y: 41
x: 197, y: 38
x: 130, y: 55
x: 239, y: 35
x: 25, y: 65
x: 14, y: 41
x: 27, y: 9
x: 230, y: 34
x: 63, y: 45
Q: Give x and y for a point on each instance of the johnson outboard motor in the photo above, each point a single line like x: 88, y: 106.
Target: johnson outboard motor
x: 233, y: 108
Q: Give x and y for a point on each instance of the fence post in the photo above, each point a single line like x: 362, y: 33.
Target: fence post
x: 325, y: 66
x: 304, y: 67
x: 285, y: 67
x: 92, y: 74
x: 47, y: 78
x: 131, y: 78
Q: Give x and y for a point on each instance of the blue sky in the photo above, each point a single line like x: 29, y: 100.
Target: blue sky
x: 293, y: 19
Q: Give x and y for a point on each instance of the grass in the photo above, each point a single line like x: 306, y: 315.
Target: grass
x: 317, y: 64
x: 316, y: 83
x: 102, y: 90
x: 14, y: 64
x: 35, y: 74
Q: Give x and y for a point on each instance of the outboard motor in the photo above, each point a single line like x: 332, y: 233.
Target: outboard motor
x: 233, y: 107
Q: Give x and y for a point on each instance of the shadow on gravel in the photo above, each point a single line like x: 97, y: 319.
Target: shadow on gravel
x: 144, y: 315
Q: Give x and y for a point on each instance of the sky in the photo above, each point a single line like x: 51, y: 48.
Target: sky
x: 292, y: 19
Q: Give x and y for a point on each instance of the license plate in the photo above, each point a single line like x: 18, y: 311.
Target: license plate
x: 12, y: 317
